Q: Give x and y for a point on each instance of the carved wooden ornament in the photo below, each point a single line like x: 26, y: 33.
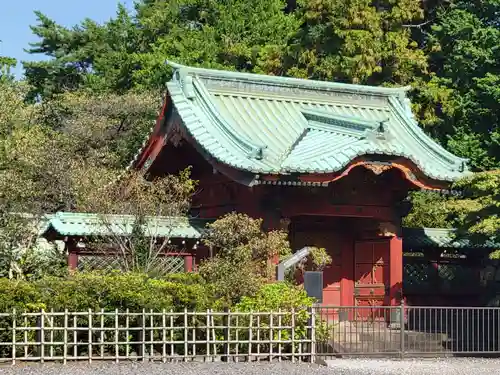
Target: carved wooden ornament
x: 387, y: 229
x: 378, y: 168
x: 175, y: 134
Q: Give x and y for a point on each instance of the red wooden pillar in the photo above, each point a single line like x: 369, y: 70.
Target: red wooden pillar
x: 73, y: 261
x: 188, y: 263
x: 347, y: 280
x: 72, y: 255
x: 396, y: 270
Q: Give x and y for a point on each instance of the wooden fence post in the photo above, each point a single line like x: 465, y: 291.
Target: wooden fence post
x: 227, y: 334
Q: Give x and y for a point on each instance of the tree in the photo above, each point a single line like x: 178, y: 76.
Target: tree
x: 429, y: 210
x: 477, y: 214
x: 60, y: 154
x: 357, y: 41
x: 464, y: 58
x: 244, y: 254
x: 474, y: 213
x: 138, y: 217
x: 130, y: 51
x: 6, y: 65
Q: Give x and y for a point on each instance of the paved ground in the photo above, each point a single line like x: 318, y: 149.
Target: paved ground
x: 341, y: 367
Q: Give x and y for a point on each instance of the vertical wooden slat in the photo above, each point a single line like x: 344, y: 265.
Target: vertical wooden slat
x: 293, y: 334
x: 186, y: 334
x: 271, y: 336
x: 42, y: 336
x: 14, y: 336
x: 117, y: 337
x: 65, y: 337
x: 90, y: 323
x: 164, y: 336
x: 102, y: 334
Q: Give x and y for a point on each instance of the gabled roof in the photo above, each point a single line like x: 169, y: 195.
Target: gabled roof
x: 277, y: 125
x: 88, y: 224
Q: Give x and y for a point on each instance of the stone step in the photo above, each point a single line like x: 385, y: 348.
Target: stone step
x: 366, y: 349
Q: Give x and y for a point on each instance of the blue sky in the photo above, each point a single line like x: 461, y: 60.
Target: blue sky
x: 16, y: 16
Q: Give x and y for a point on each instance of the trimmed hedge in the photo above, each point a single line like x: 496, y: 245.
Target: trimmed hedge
x: 96, y: 291
x: 110, y: 291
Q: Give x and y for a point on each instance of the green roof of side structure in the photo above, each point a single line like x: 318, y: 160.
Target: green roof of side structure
x: 64, y: 224
x: 421, y: 238
x: 88, y: 224
x: 276, y: 125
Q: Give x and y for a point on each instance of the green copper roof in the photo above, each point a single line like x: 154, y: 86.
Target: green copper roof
x: 420, y: 238
x: 87, y: 224
x: 276, y: 125
x: 84, y: 224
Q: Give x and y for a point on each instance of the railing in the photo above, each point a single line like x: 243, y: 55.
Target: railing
x: 407, y: 331
x: 156, y: 336
x: 302, y: 335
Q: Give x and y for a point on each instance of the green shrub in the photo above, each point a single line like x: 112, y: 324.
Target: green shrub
x: 186, y: 278
x: 275, y: 296
x: 20, y: 295
x: 280, y: 298
x: 110, y: 291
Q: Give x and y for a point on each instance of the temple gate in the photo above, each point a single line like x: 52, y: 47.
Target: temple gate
x: 332, y: 163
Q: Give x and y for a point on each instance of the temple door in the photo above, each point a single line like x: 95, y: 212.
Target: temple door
x: 371, y: 278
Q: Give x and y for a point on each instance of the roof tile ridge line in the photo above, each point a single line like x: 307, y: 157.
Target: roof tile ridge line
x: 289, y: 81
x: 420, y: 136
x: 290, y: 149
x: 251, y: 148
x: 367, y: 124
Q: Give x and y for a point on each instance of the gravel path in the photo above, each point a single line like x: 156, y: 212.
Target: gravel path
x: 342, y: 367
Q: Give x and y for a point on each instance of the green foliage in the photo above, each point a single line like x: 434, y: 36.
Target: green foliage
x: 141, y: 294
x: 93, y: 290
x: 478, y: 212
x: 6, y: 65
x: 291, y: 304
x: 135, y: 291
x: 429, y: 210
x: 276, y: 296
x: 320, y: 258
x: 463, y: 51
x: 357, y: 41
x: 22, y: 254
x: 129, y: 51
x: 244, y: 259
x: 475, y: 213
x: 20, y: 295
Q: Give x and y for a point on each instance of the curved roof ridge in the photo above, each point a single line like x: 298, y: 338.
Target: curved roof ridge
x: 288, y: 81
x: 252, y: 149
x: 425, y: 140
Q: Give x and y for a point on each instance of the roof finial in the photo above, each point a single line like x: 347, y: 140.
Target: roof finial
x: 381, y: 126
x: 381, y: 129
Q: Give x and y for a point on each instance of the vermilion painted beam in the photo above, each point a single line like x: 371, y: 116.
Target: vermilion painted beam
x: 408, y: 173
x: 155, y: 142
x: 309, y: 209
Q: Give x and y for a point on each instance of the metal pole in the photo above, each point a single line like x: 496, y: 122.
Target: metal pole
x: 402, y: 328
